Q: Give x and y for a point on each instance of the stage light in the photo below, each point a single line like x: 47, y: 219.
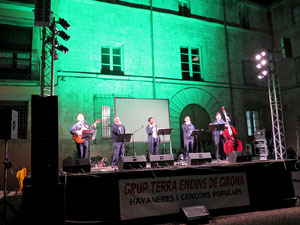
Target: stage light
x: 63, y: 35
x: 260, y: 76
x: 62, y: 48
x: 263, y: 62
x: 63, y: 23
x: 263, y: 53
x: 258, y: 57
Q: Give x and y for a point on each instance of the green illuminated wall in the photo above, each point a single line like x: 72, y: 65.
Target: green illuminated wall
x: 81, y: 86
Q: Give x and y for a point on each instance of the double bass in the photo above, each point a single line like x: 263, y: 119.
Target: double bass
x: 231, y: 142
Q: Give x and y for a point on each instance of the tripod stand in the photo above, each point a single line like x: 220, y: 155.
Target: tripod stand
x: 4, y: 202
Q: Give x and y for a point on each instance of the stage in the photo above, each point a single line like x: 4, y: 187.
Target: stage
x: 108, y: 194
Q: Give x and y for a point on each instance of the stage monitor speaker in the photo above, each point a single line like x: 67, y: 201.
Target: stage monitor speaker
x: 9, y: 124
x: 132, y: 162
x: 195, y: 213
x: 243, y: 156
x: 76, y: 165
x: 198, y: 158
x: 162, y: 160
x: 44, y: 140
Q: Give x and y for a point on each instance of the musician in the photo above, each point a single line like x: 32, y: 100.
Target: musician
x: 153, y: 138
x: 188, y: 140
x: 119, y: 147
x: 82, y: 148
x: 218, y: 138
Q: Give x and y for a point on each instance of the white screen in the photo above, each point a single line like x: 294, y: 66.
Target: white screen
x: 134, y: 114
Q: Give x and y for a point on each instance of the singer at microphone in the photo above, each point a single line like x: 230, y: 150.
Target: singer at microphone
x: 153, y: 138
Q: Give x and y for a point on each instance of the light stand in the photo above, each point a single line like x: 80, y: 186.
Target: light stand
x: 274, y: 99
x: 276, y: 110
x: 4, y: 202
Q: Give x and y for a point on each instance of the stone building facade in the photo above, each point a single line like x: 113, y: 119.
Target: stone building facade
x: 198, y: 54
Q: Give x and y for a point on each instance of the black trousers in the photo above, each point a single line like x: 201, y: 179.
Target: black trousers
x: 82, y: 149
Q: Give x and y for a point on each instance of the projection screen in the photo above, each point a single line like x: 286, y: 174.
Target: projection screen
x: 134, y: 114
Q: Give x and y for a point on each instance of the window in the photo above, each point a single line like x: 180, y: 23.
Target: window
x: 16, y: 53
x: 244, y: 20
x: 102, y: 108
x: 297, y: 62
x: 252, y: 122
x: 106, y: 122
x: 190, y: 63
x: 249, y: 72
x: 184, y: 7
x: 296, y: 14
x: 111, y: 60
x: 22, y: 108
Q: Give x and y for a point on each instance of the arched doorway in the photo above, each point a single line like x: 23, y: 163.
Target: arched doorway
x: 201, y: 119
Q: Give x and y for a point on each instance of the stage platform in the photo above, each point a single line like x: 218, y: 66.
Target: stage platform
x: 107, y: 194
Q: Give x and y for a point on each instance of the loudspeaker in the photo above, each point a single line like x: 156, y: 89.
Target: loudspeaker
x: 44, y: 140
x: 243, y: 156
x: 132, y: 162
x: 76, y: 165
x: 9, y: 124
x: 42, y: 13
x: 162, y: 160
x: 198, y: 158
x: 195, y: 213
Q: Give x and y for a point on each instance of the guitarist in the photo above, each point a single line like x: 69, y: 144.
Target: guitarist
x: 77, y: 128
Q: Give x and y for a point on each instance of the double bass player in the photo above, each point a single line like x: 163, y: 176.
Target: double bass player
x: 231, y: 142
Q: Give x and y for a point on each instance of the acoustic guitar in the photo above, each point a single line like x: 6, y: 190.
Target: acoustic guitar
x: 78, y: 139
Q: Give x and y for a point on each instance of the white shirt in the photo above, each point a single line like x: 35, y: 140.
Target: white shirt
x: 154, y: 134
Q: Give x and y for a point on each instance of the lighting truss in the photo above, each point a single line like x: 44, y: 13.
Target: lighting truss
x: 49, y: 54
x: 275, y: 100
x: 276, y: 110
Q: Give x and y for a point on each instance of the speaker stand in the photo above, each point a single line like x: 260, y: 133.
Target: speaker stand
x: 4, y: 202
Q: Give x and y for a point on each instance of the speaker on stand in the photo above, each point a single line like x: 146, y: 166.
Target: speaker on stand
x: 8, y: 131
x: 44, y: 140
x: 44, y: 186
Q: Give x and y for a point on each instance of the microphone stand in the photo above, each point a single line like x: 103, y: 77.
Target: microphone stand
x: 133, y: 148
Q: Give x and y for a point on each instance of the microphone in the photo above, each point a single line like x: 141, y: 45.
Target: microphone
x: 138, y: 129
